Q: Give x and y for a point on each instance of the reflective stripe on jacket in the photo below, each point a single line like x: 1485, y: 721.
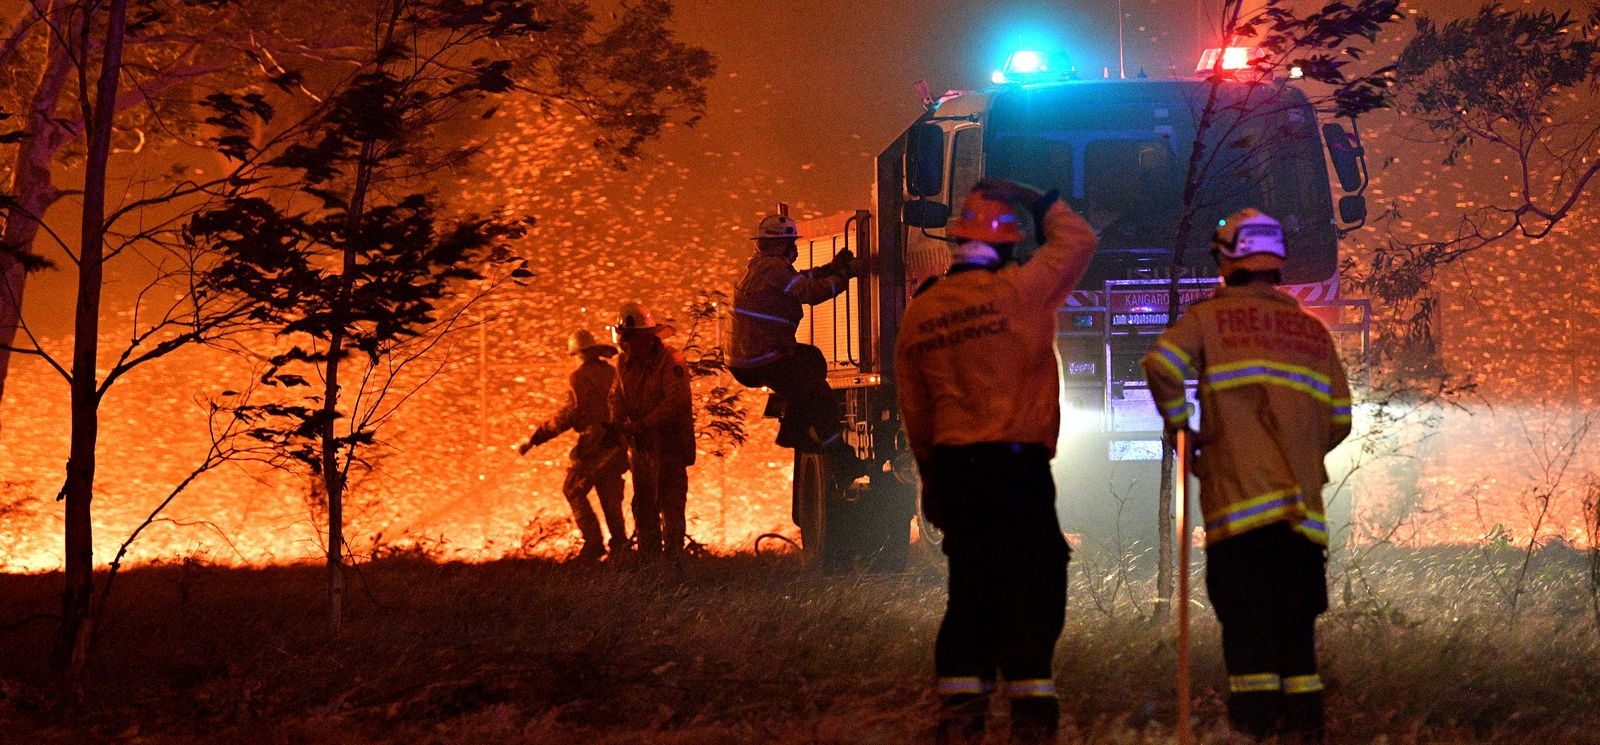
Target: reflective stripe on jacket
x: 767, y: 307
x: 975, y: 358
x: 1273, y: 399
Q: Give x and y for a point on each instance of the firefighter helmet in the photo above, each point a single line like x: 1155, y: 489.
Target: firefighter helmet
x: 634, y: 316
x: 986, y: 219
x: 776, y: 226
x: 1246, y: 233
x: 582, y: 341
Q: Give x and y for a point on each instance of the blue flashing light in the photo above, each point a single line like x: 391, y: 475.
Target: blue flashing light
x: 1027, y: 62
x: 1030, y: 65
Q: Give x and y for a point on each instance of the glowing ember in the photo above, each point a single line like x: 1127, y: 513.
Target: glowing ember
x: 447, y: 481
x: 1526, y: 325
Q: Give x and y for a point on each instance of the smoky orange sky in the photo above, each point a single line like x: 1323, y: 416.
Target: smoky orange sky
x: 805, y: 95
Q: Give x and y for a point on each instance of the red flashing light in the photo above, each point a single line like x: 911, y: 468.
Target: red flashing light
x: 1233, y: 58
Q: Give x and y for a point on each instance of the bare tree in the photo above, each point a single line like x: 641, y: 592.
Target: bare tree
x: 166, y: 49
x: 92, y: 40
x: 1591, y: 525
x: 229, y: 443
x: 1234, y: 127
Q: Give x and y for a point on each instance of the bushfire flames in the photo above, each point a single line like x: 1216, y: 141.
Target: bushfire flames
x: 428, y: 492
x: 434, y: 492
x: 446, y: 480
x: 1511, y: 464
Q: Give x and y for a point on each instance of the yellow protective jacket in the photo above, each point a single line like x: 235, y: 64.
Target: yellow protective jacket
x: 652, y: 396
x: 975, y: 360
x: 767, y: 307
x: 587, y: 412
x: 1273, y: 402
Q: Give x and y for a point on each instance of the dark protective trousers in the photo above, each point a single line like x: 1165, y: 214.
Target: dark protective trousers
x: 660, y: 494
x: 1268, y: 586
x: 812, y: 410
x: 605, y: 478
x: 995, y: 503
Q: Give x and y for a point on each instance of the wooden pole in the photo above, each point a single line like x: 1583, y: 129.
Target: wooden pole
x: 1181, y: 479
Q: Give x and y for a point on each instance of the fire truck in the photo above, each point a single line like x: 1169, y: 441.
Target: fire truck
x: 1118, y: 151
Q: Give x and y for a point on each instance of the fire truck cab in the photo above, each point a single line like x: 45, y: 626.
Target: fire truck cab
x: 1118, y: 150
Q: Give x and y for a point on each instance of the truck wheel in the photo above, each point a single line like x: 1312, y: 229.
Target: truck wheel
x: 810, y: 498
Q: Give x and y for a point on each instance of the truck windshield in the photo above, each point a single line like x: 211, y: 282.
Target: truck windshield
x: 1118, y: 151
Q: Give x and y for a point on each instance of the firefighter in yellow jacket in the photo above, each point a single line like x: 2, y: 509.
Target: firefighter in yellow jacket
x: 654, y: 407
x: 598, y: 460
x: 762, y: 350
x: 976, y: 376
x: 1273, y: 401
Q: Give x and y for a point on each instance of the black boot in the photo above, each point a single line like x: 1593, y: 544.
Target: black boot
x: 962, y: 718
x: 1034, y: 720
x: 1302, y: 719
x: 1255, y: 713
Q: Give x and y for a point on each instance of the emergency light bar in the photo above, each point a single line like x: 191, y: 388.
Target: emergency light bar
x: 1233, y: 58
x: 1031, y: 65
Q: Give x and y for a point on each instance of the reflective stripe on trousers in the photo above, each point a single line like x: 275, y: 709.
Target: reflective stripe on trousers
x: 1036, y: 688
x: 1255, y: 683
x: 1295, y: 684
x: 962, y: 686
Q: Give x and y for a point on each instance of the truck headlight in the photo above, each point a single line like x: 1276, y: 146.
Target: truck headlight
x: 1075, y: 417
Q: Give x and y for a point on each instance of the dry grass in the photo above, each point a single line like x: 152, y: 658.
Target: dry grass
x: 1420, y: 648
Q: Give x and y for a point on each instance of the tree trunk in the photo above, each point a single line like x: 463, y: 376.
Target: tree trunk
x: 1591, y: 511
x: 76, y: 626
x: 1165, y: 560
x: 333, y: 472
x: 1191, y: 194
x: 334, y: 486
x: 32, y: 188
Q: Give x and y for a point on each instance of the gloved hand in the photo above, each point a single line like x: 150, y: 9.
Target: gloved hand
x: 537, y: 438
x: 1192, y: 457
x: 1037, y: 208
x: 841, y: 263
x: 858, y: 267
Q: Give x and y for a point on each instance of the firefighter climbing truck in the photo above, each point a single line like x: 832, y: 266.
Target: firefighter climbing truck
x: 1118, y: 150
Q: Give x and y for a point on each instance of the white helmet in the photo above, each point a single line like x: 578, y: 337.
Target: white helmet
x: 776, y: 226
x: 582, y: 341
x: 635, y: 317
x: 1246, y: 233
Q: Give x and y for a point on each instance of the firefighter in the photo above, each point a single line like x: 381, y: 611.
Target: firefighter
x: 598, y: 460
x: 977, y: 381
x: 763, y: 351
x: 652, y: 405
x: 1274, y: 401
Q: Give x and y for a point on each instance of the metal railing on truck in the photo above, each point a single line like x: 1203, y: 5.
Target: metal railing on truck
x: 836, y: 326
x: 1101, y: 345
